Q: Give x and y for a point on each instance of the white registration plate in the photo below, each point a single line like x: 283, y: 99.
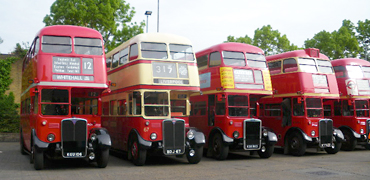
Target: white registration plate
x: 252, y: 146
x: 174, y: 151
x: 74, y: 154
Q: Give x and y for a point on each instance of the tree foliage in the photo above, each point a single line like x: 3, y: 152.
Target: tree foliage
x: 337, y: 44
x: 363, y: 37
x: 269, y: 40
x: 112, y: 18
x: 9, y: 118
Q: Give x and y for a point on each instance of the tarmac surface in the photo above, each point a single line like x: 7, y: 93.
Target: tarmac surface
x: 313, y: 165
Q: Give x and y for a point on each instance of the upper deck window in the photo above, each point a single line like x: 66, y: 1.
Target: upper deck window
x: 123, y: 56
x: 202, y: 61
x: 233, y: 58
x: 181, y: 52
x: 214, y: 59
x: 56, y: 44
x: 154, y: 50
x: 324, y: 66
x: 366, y: 71
x: 289, y: 65
x: 256, y: 60
x: 307, y: 65
x: 354, y: 71
x: 88, y: 46
x: 275, y: 67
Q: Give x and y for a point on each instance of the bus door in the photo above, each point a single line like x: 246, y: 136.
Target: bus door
x: 287, y: 112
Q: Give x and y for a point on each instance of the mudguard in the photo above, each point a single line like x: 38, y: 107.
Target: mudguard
x: 227, y: 139
x: 102, y: 138
x: 199, y: 138
x: 272, y: 138
x: 40, y: 145
x: 144, y: 144
x: 338, y: 134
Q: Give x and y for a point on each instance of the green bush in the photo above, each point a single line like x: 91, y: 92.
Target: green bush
x: 9, y: 117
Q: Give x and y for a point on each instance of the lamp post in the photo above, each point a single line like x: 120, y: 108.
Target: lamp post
x: 147, y: 13
x: 158, y: 18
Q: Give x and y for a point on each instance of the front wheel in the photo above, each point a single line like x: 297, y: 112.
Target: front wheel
x: 266, y: 151
x: 350, y: 141
x: 137, y: 154
x: 102, y: 158
x: 38, y: 159
x: 219, y: 149
x: 296, y: 144
x: 335, y: 148
x: 194, y: 155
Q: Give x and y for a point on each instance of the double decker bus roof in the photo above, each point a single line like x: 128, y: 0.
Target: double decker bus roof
x: 350, y: 61
x: 67, y: 30
x: 298, y: 53
x: 151, y: 37
x: 231, y: 46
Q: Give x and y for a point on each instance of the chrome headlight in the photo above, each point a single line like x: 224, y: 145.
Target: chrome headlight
x: 190, y: 134
x: 362, y: 131
x: 153, y: 136
x: 264, y: 132
x: 93, y: 137
x: 51, y: 137
x: 313, y: 133
x: 236, y: 134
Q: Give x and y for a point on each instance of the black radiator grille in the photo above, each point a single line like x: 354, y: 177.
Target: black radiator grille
x: 74, y: 138
x: 173, y: 136
x: 252, y: 134
x: 326, y: 132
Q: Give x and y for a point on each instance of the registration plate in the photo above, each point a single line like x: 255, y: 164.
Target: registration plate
x: 174, y: 151
x: 326, y: 145
x: 252, y: 146
x: 74, y: 154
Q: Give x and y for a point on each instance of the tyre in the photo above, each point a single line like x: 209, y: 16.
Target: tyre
x: 266, y: 151
x: 38, y: 158
x: 102, y: 158
x: 219, y: 149
x: 296, y: 144
x: 367, y: 146
x: 349, y: 142
x: 335, y: 149
x: 196, y: 156
x: 138, y: 156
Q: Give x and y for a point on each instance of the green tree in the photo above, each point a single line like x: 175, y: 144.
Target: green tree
x: 338, y: 44
x: 9, y: 118
x: 246, y: 39
x: 269, y: 40
x: 112, y: 18
x: 19, y: 51
x: 363, y: 37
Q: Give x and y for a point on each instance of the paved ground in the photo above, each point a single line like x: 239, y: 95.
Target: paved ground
x: 344, y: 165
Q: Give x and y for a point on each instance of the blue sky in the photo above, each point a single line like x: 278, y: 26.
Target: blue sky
x: 204, y: 22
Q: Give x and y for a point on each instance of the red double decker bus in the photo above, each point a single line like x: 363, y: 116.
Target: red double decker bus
x: 302, y: 81
x: 63, y: 77
x: 351, y: 113
x: 147, y: 110
x: 233, y: 77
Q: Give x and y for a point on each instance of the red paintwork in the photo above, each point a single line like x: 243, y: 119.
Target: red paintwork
x: 39, y: 69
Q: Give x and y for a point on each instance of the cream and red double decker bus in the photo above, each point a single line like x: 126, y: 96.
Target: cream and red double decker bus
x: 63, y: 77
x: 147, y: 111
x: 351, y: 113
x: 233, y: 77
x: 302, y: 81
